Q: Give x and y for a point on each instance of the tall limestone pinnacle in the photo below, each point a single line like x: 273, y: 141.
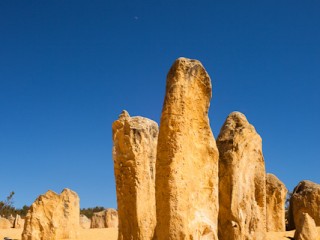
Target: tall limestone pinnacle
x: 187, y: 157
x: 242, y: 181
x: 134, y: 155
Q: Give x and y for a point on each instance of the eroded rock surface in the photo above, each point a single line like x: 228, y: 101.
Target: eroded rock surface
x: 306, y: 228
x: 276, y: 198
x: 53, y: 216
x: 187, y: 157
x: 134, y: 155
x: 85, y: 222
x: 305, y: 199
x: 105, y: 219
x: 242, y: 181
x: 112, y: 220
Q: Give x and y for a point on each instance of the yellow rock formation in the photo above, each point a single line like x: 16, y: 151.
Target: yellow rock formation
x: 242, y: 181
x: 187, y: 157
x: 276, y: 193
x: 134, y: 155
x: 53, y: 216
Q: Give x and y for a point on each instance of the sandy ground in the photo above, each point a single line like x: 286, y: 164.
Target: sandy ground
x: 112, y: 233
x: 85, y: 234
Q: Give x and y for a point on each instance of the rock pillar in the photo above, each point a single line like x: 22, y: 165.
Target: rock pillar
x: 187, y: 157
x: 242, y: 181
x: 134, y: 155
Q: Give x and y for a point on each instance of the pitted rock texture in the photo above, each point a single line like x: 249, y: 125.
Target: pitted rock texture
x: 134, y: 155
x: 276, y: 199
x: 53, y: 216
x: 242, y: 181
x: 306, y: 228
x: 187, y: 157
x: 305, y: 199
x: 105, y: 219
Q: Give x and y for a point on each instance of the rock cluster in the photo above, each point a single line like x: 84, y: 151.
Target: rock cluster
x: 53, y: 216
x: 105, y: 219
x: 276, y: 200
x: 134, y: 155
x: 182, y: 184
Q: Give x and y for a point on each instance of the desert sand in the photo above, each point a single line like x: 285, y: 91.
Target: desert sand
x: 85, y: 234
x: 112, y: 234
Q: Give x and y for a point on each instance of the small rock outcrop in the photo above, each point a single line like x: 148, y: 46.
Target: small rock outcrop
x: 11, y: 219
x: 5, y: 223
x: 18, y: 222
x: 112, y: 220
x: 276, y: 193
x: 306, y: 228
x: 98, y: 220
x: 242, y: 181
x: 305, y: 199
x: 187, y: 157
x: 53, y: 216
x: 134, y: 155
x: 85, y: 222
x: 105, y: 219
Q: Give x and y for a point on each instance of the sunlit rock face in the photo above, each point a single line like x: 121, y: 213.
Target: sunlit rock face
x: 107, y: 218
x: 187, y: 157
x: 305, y: 228
x: 18, y: 222
x: 53, y: 216
x: 305, y: 198
x: 242, y: 181
x: 276, y: 193
x: 4, y: 223
x: 85, y: 222
x: 134, y: 155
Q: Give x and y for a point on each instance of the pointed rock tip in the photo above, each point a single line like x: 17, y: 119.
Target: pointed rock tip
x: 68, y: 191
x: 50, y: 192
x: 124, y: 115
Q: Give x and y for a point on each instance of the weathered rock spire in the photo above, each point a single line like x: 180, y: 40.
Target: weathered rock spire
x: 187, y: 157
x: 134, y: 155
x: 242, y: 181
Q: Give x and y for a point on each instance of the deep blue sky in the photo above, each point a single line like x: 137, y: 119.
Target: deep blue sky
x: 68, y: 68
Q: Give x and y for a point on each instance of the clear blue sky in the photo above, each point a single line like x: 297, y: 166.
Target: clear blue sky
x: 68, y: 68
